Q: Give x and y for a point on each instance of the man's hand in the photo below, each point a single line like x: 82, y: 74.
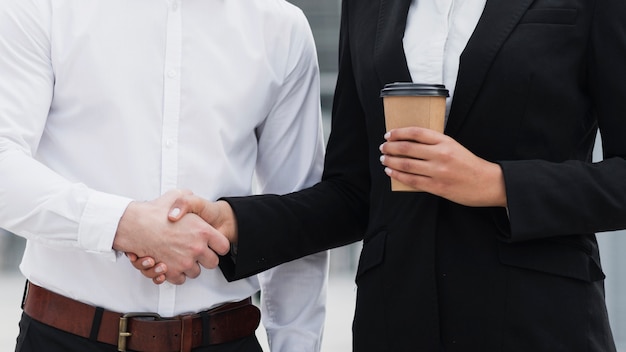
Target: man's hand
x: 182, y: 247
x: 435, y: 163
x: 219, y: 214
x: 149, y: 268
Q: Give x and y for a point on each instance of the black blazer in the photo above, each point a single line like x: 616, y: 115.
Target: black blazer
x: 536, y: 80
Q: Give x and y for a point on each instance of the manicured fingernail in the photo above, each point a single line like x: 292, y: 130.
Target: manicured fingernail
x: 387, y: 135
x: 159, y: 269
x: 146, y: 263
x: 174, y: 213
x: 388, y: 171
x: 382, y: 158
x: 380, y: 147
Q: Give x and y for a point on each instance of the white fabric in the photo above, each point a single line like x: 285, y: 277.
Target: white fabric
x: 436, y: 34
x: 106, y: 101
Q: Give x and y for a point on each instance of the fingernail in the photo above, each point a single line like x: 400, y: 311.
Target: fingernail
x: 158, y: 269
x: 380, y: 147
x: 387, y: 135
x: 146, y: 263
x: 382, y: 158
x: 174, y: 213
x: 388, y: 171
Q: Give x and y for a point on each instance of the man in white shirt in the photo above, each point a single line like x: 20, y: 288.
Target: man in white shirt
x: 106, y: 104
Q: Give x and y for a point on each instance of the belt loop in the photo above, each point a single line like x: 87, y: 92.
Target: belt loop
x: 95, y: 324
x: 206, y: 328
x: 186, y: 333
x: 26, y: 284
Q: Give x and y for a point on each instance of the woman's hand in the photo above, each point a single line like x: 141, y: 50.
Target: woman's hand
x: 433, y: 162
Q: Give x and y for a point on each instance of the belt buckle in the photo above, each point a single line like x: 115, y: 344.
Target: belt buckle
x: 123, y: 329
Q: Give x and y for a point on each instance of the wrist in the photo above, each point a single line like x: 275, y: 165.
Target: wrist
x: 227, y: 221
x: 498, y: 193
x: 121, y: 241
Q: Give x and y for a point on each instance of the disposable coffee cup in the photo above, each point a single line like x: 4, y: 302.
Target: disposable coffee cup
x: 414, y: 104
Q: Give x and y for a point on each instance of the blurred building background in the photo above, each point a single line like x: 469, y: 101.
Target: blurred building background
x: 323, y: 16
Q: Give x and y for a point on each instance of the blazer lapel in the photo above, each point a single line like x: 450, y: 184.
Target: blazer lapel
x: 495, y: 25
x: 389, y: 58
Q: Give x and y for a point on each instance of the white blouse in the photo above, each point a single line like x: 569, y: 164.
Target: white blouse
x: 436, y: 33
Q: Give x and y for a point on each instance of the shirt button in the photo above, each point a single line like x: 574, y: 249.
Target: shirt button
x: 171, y: 73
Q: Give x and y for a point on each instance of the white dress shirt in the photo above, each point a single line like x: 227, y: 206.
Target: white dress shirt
x: 107, y: 101
x: 436, y: 34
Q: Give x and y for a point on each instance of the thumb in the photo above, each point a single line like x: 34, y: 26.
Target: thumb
x: 187, y: 204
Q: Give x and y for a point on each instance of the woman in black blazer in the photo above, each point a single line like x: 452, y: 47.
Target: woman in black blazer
x: 499, y: 252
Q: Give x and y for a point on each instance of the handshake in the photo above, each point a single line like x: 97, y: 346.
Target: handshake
x: 169, y: 238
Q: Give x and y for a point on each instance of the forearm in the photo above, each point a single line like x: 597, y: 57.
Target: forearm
x: 46, y: 207
x: 276, y: 229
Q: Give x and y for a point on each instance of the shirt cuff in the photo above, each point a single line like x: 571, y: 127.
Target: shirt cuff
x: 98, y: 224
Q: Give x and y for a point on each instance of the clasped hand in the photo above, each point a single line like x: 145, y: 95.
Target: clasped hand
x: 181, y: 242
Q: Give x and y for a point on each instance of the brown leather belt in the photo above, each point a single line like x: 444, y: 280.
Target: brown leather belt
x: 142, y: 331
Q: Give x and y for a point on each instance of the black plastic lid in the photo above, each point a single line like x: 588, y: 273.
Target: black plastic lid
x: 414, y: 89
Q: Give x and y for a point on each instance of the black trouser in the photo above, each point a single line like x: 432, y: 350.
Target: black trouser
x: 37, y: 337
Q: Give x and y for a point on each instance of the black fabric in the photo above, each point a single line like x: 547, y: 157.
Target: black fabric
x: 24, y: 294
x: 205, y: 327
x: 37, y: 337
x: 95, y: 325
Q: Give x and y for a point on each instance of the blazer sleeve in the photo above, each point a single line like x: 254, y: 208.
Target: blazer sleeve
x: 275, y: 229
x: 576, y: 196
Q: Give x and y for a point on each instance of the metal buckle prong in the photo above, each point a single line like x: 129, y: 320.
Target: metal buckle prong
x: 123, y: 330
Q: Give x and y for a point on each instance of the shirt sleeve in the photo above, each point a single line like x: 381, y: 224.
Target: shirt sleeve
x: 38, y: 203
x: 293, y: 303
x: 290, y: 157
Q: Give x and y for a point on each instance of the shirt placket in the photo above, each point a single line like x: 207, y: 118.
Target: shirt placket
x: 435, y: 51
x: 171, y: 118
